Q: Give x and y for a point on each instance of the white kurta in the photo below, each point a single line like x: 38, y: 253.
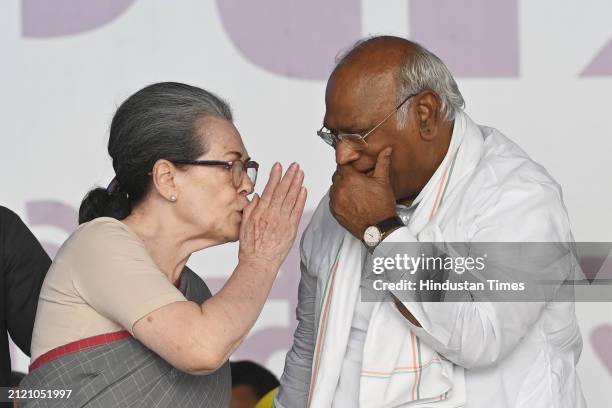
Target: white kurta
x: 511, y: 355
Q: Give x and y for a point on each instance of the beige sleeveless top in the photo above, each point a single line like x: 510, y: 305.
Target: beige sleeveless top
x: 102, y: 280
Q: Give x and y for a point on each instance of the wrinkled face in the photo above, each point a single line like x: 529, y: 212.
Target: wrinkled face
x: 356, y: 104
x: 208, y: 199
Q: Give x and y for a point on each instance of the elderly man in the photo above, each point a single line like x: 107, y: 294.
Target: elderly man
x: 413, y: 167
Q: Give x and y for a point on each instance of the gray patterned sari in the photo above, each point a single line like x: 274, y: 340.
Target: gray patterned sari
x: 124, y: 373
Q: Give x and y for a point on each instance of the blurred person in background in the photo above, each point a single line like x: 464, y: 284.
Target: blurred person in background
x: 250, y: 383
x: 23, y: 265
x: 16, y: 378
x: 121, y: 320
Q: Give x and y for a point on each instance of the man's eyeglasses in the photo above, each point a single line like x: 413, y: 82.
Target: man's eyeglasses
x: 237, y: 168
x: 355, y: 141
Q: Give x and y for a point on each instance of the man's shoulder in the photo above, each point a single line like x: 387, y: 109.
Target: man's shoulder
x: 505, y: 166
x: 508, y: 183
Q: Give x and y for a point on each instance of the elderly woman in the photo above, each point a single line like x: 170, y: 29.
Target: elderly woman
x: 121, y: 321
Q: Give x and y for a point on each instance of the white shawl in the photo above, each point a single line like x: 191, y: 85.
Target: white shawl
x: 398, y: 369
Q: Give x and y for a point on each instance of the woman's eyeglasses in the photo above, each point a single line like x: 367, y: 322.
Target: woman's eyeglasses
x: 237, y: 168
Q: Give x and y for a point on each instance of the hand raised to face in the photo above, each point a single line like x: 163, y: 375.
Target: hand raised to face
x: 271, y: 221
x: 357, y: 200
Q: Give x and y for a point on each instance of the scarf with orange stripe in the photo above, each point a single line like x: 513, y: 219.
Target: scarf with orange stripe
x: 398, y: 369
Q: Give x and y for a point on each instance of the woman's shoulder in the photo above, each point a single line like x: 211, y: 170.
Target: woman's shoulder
x: 85, y: 250
x: 103, y: 227
x: 102, y: 233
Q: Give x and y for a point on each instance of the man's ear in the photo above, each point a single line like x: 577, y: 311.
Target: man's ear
x: 163, y: 175
x: 427, y: 113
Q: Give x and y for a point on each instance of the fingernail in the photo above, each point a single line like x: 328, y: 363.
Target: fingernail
x: 389, y: 151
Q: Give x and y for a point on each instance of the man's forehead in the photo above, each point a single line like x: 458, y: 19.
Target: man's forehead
x: 352, y: 100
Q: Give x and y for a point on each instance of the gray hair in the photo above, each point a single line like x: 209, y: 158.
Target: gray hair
x: 423, y: 71
x: 160, y: 121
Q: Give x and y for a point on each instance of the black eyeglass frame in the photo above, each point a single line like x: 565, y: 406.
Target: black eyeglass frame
x: 249, y: 164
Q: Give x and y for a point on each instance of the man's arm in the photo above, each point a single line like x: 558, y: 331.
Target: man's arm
x: 295, y: 381
x: 25, y: 264
x: 477, y: 334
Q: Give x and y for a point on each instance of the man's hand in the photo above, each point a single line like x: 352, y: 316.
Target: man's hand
x: 358, y: 201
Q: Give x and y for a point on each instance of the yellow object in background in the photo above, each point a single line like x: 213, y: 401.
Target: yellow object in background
x: 268, y: 399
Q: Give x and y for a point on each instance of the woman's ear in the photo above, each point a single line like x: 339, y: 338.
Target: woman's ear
x: 164, y: 179
x: 427, y: 112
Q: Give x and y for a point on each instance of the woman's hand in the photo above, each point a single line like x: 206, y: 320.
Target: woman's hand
x: 270, y: 222
x: 269, y: 225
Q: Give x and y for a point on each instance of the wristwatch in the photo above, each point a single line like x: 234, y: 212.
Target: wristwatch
x: 376, y: 233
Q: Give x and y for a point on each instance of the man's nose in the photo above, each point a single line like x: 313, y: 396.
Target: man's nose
x: 345, y: 154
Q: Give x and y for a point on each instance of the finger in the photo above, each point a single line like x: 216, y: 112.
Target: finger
x: 346, y: 170
x: 246, y: 226
x: 283, y: 187
x: 248, y: 210
x: 335, y: 177
x: 333, y: 191
x: 298, y: 209
x: 293, y: 193
x: 271, y: 185
x: 383, y: 163
x: 332, y: 199
x: 345, y: 173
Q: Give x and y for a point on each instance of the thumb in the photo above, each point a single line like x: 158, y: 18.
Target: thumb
x: 246, y: 227
x: 248, y: 210
x: 383, y: 162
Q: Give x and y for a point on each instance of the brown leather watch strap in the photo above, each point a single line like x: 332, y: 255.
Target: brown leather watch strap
x: 388, y: 225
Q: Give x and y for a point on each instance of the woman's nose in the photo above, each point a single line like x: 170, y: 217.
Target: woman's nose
x: 247, y: 186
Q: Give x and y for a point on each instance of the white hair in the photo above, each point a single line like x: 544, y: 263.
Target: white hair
x: 422, y: 71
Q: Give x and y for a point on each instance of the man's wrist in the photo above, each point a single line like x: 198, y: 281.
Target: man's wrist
x: 375, y: 234
x: 390, y: 231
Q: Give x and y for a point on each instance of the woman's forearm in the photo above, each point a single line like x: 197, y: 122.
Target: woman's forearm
x: 232, y: 312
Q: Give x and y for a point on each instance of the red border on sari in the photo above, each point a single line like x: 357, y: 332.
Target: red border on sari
x: 79, y: 345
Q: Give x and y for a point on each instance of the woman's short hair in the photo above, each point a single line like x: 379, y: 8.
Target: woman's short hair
x: 160, y: 121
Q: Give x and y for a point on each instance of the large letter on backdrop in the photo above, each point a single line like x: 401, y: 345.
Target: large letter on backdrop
x: 601, y: 64
x: 476, y: 38
x: 289, y: 37
x: 52, y: 18
x: 52, y: 213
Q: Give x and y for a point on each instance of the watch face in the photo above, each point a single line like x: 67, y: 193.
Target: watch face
x: 372, y: 236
